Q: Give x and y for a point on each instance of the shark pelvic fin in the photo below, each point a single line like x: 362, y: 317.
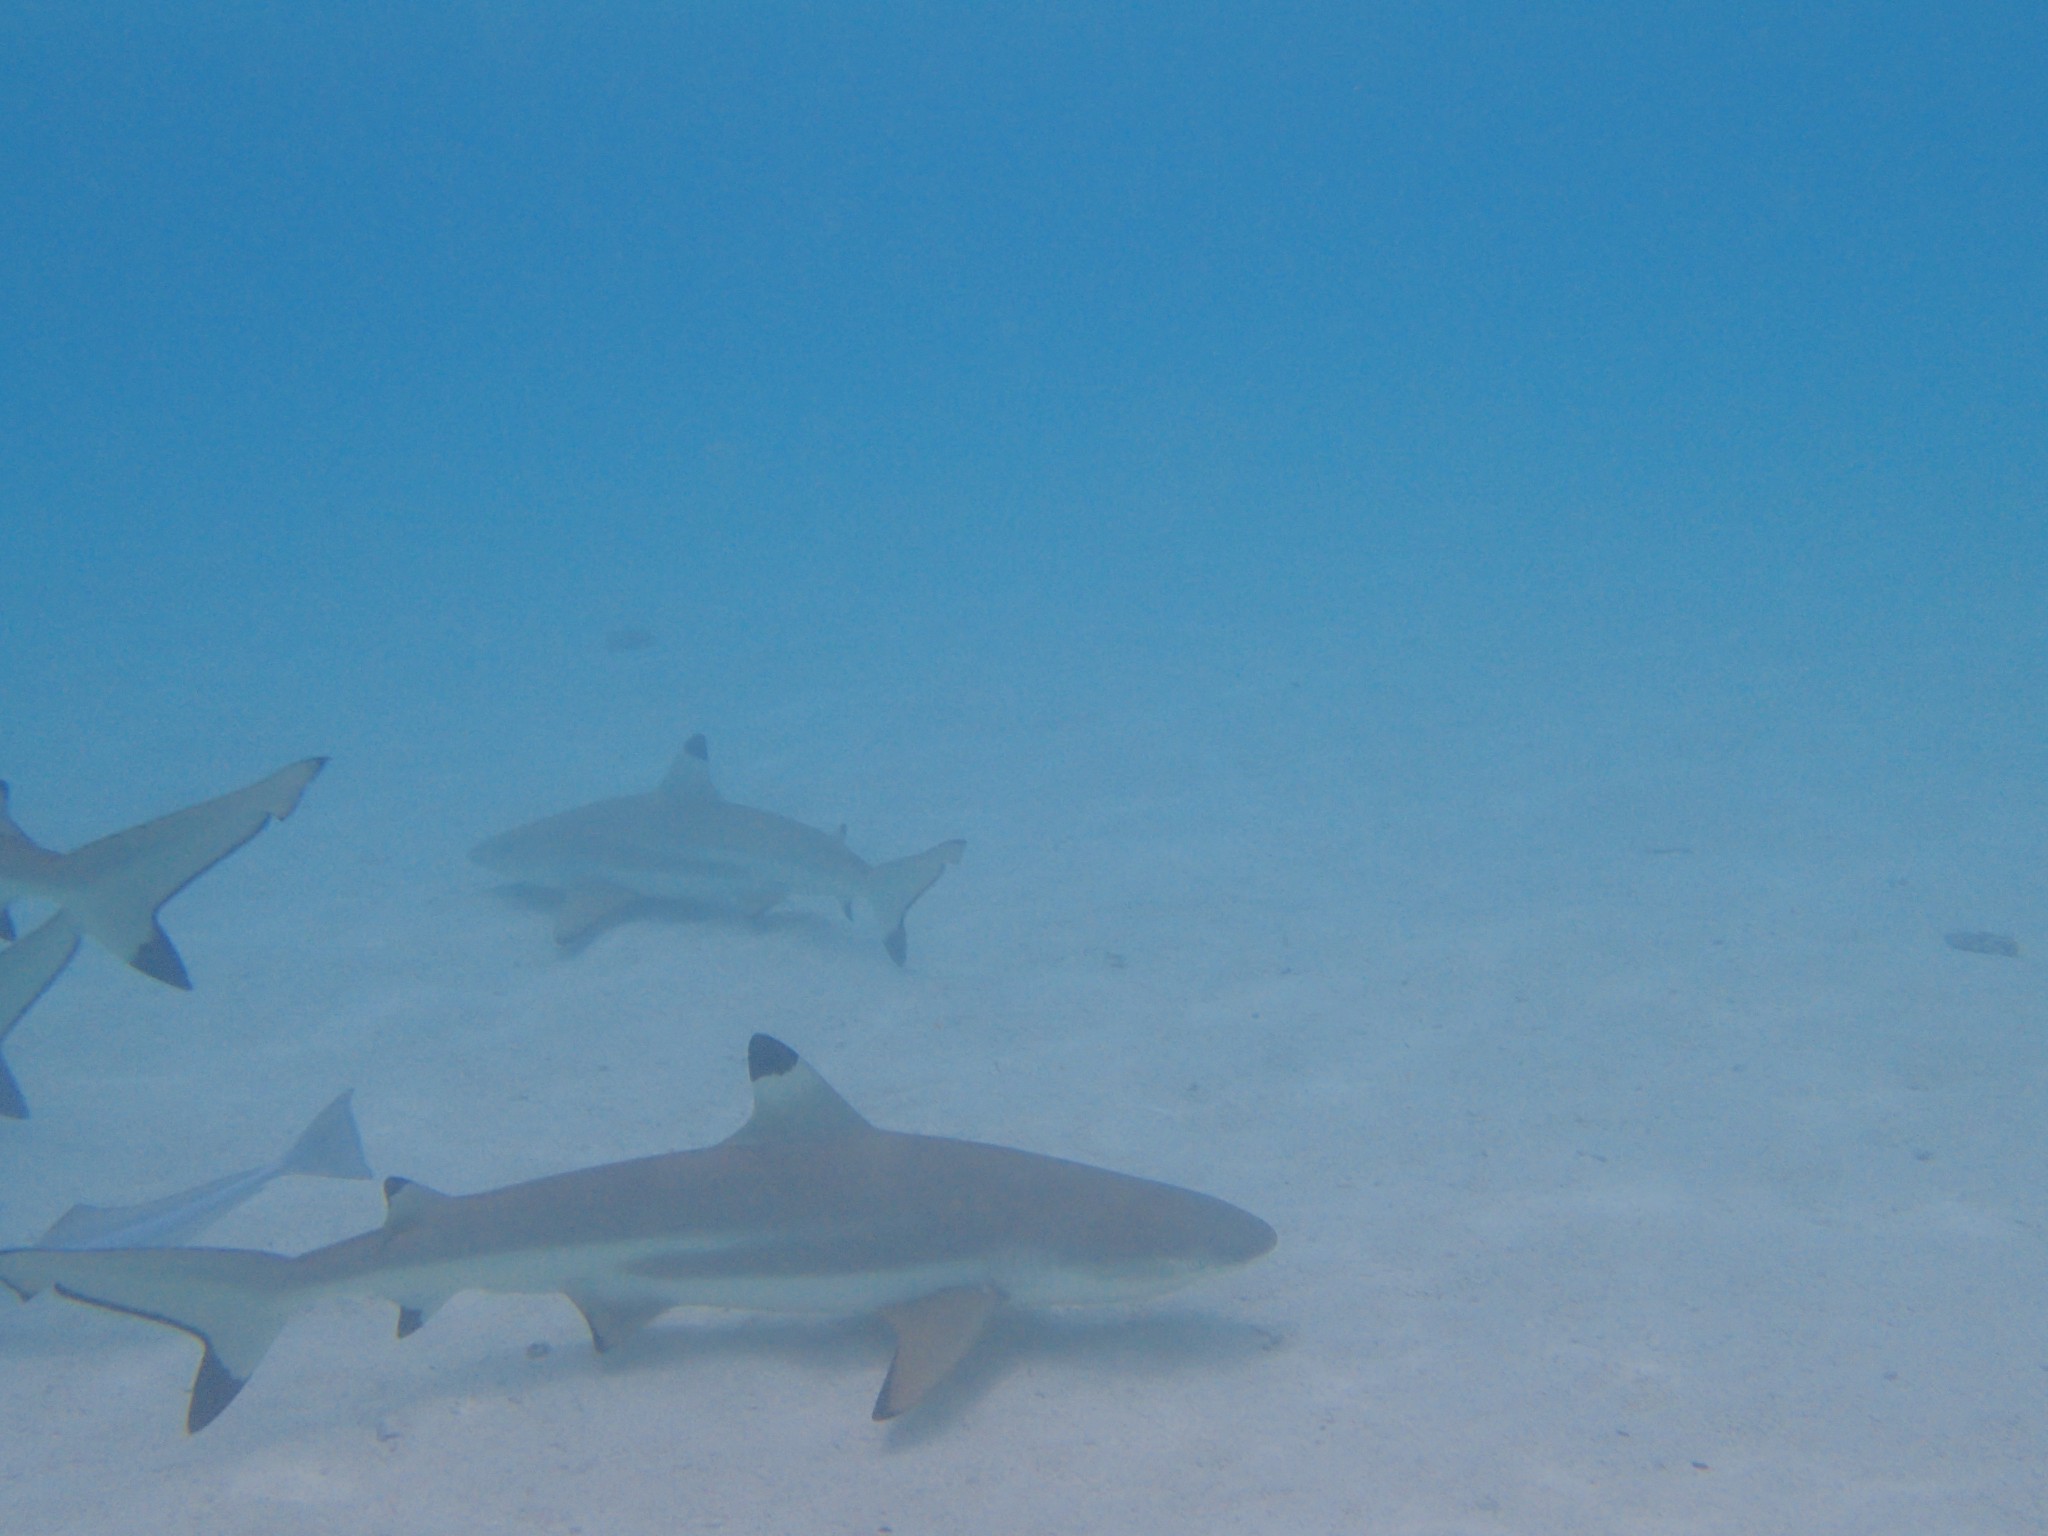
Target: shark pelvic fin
x: 689, y: 777
x: 932, y: 1334
x: 790, y: 1100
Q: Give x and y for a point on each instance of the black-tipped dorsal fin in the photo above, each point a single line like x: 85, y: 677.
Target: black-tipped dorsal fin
x: 791, y: 1102
x: 405, y: 1203
x: 689, y: 777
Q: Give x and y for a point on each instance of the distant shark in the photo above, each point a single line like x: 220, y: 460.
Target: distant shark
x: 111, y: 889
x: 806, y: 1208
x: 686, y: 842
x: 329, y: 1148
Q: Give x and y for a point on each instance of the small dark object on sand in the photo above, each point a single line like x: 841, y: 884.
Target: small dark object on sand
x: 631, y: 638
x: 1985, y: 944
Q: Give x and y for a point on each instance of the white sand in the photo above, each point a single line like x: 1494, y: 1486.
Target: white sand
x: 1643, y: 1159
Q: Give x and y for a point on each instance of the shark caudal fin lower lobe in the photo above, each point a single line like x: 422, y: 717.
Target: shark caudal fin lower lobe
x: 892, y: 887
x: 114, y: 886
x: 234, y: 1302
x: 27, y: 967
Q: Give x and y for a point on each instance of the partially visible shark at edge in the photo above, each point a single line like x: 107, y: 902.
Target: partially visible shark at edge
x: 686, y: 842
x: 329, y: 1148
x: 111, y: 889
x: 807, y: 1208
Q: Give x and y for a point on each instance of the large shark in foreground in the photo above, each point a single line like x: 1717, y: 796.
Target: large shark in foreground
x: 686, y: 842
x: 329, y: 1148
x: 806, y: 1208
x: 111, y: 889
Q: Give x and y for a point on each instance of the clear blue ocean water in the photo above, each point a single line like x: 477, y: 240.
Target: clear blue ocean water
x: 1472, y: 575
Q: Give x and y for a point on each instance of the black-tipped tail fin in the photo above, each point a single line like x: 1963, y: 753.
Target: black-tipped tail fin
x: 27, y: 967
x: 114, y: 886
x: 233, y: 1301
x: 892, y: 887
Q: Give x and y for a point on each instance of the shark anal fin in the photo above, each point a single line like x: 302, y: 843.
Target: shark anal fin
x: 410, y: 1321
x: 932, y: 1334
x: 587, y: 908
x: 614, y: 1319
x: 6, y: 924
x: 155, y: 956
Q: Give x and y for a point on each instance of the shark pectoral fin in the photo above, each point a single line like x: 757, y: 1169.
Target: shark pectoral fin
x: 587, y: 908
x: 932, y: 1334
x: 614, y: 1319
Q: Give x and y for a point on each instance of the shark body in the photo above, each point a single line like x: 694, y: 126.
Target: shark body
x: 329, y: 1148
x: 806, y: 1208
x: 111, y: 888
x: 686, y: 842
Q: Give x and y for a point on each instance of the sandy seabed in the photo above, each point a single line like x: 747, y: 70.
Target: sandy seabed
x: 1643, y: 1158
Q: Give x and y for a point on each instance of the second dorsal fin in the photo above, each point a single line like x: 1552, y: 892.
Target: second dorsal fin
x: 407, y: 1203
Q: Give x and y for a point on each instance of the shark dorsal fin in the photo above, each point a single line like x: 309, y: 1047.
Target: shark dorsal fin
x: 791, y: 1102
x: 689, y: 777
x: 406, y: 1203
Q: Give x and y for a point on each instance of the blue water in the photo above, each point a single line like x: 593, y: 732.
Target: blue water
x: 1472, y: 576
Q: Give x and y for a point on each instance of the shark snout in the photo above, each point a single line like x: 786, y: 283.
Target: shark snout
x: 1242, y: 1238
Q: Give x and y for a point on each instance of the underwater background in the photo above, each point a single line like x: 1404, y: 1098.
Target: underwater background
x: 1472, y: 575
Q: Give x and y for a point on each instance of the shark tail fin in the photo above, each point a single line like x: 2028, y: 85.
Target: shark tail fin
x: 892, y: 887
x: 331, y: 1147
x: 234, y: 1302
x: 115, y: 885
x: 27, y: 967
